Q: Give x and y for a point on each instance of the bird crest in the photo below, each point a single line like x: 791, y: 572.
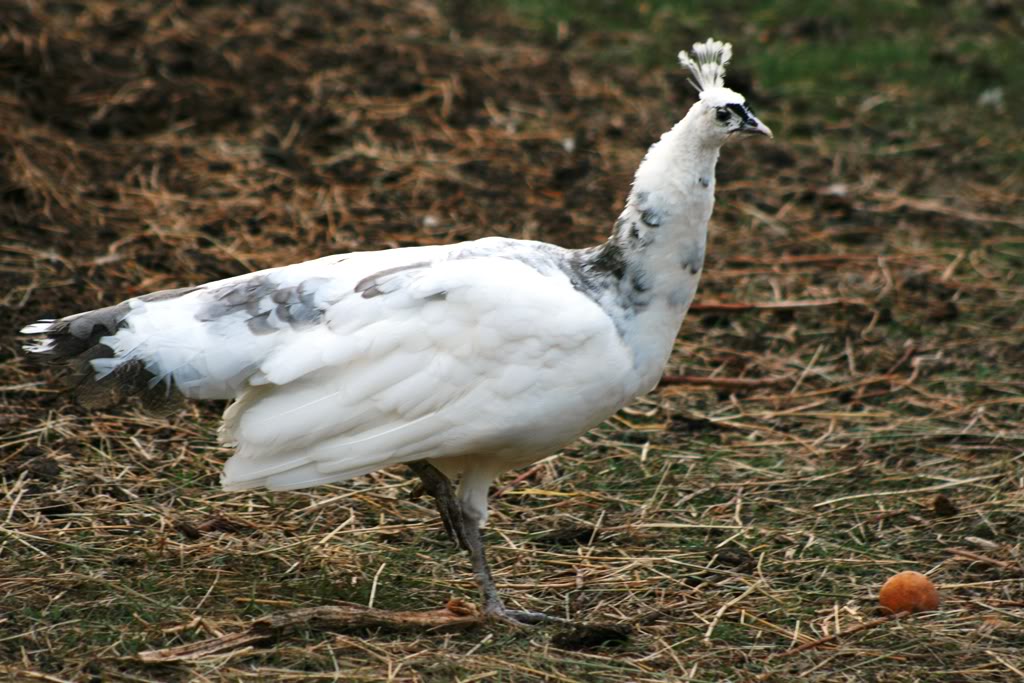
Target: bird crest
x: 707, y: 63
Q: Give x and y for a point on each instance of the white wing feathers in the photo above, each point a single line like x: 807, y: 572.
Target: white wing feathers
x: 429, y: 360
x: 346, y: 364
x: 214, y: 341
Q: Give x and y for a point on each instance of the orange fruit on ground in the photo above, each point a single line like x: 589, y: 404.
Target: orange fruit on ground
x: 909, y: 592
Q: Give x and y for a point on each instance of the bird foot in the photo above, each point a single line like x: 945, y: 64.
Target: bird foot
x: 521, y: 617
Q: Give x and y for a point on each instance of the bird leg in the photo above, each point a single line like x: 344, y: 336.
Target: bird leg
x: 463, y: 527
x: 494, y: 608
x: 440, y: 488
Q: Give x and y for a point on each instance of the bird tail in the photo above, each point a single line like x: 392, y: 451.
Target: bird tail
x: 91, y: 369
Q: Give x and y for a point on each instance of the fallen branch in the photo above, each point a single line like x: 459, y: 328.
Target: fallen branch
x: 729, y: 382
x: 890, y: 201
x: 905, y: 492
x: 722, y: 306
x: 24, y: 674
x: 838, y: 634
x: 519, y: 479
x: 455, y: 615
x: 983, y: 559
x: 801, y: 259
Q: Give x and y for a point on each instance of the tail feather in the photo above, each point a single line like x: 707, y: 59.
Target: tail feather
x: 74, y: 343
x: 71, y: 336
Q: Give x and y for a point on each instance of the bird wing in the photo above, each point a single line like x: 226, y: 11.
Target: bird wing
x: 421, y: 359
x: 348, y: 363
x: 212, y: 341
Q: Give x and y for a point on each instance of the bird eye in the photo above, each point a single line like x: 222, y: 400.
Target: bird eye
x: 722, y: 115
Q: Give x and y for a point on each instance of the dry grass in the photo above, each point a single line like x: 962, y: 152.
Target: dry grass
x: 790, y: 463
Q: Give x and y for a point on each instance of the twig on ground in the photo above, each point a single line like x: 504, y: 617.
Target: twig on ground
x: 454, y: 616
x: 983, y: 559
x: 725, y: 608
x: 716, y: 306
x: 727, y: 382
x: 903, y: 492
x: 838, y: 634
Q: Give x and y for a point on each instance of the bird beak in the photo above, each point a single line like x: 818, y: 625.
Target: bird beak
x: 754, y: 126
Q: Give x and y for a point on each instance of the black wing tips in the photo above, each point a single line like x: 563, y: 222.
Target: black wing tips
x: 70, y: 337
x: 71, y: 344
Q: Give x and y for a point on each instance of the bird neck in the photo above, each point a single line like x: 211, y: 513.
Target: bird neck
x: 651, y: 264
x: 662, y: 229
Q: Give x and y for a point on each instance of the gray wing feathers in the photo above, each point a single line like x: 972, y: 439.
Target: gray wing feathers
x: 266, y: 305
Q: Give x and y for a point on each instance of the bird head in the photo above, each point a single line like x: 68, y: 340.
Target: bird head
x: 721, y: 113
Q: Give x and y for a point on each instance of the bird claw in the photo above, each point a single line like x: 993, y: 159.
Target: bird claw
x: 521, y: 617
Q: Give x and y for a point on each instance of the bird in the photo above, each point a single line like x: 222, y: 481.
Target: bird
x: 459, y: 361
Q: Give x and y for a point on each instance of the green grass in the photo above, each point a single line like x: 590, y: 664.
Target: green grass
x: 916, y: 67
x: 945, y: 52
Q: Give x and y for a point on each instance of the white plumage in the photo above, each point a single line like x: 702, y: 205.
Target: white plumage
x: 450, y: 363
x: 475, y: 358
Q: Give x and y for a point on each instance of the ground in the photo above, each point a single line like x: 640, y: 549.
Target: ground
x: 845, y: 402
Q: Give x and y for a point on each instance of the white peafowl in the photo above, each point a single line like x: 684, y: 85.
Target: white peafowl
x: 460, y: 361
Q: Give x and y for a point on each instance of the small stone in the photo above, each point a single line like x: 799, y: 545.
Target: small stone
x: 570, y: 535
x: 944, y: 507
x: 51, y: 507
x: 587, y: 636
x: 994, y: 98
x: 188, y: 530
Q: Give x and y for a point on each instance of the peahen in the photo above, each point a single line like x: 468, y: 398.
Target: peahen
x: 460, y: 361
